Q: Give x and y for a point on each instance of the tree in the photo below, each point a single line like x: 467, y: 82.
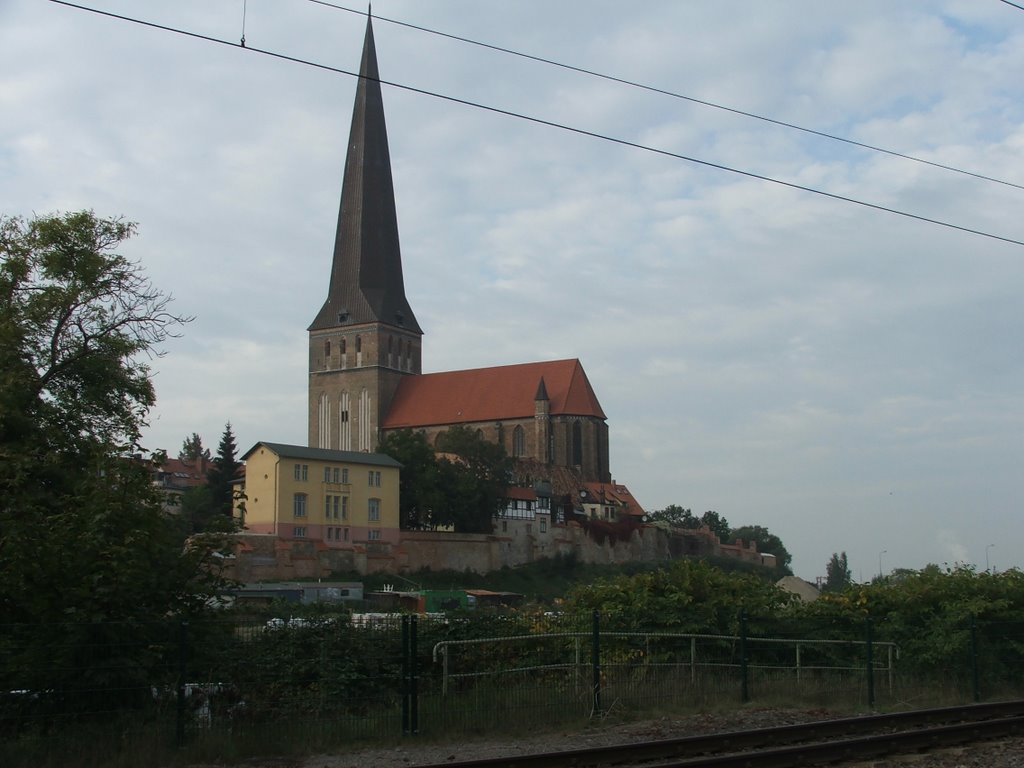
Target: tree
x: 675, y: 516
x: 192, y: 449
x: 837, y: 574
x: 420, y: 492
x: 222, y: 474
x: 476, y: 479
x: 767, y: 542
x: 465, y: 488
x: 718, y: 525
x: 83, y: 537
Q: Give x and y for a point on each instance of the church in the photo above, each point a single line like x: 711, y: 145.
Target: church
x: 366, y: 347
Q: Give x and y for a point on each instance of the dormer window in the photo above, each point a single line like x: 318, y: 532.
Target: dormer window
x: 342, y: 315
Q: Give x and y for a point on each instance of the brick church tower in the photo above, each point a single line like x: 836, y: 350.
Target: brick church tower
x: 365, y: 338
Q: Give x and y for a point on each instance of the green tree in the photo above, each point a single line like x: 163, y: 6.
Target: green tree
x: 837, y: 574
x: 192, y: 449
x: 767, y: 542
x: 420, y: 490
x: 83, y: 537
x: 675, y: 516
x: 718, y: 525
x: 685, y: 596
x: 222, y: 474
x: 475, y: 480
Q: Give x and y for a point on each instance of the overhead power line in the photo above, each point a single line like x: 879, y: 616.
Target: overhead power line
x: 548, y: 123
x: 1018, y: 7
x: 673, y: 94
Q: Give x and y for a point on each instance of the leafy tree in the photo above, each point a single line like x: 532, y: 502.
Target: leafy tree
x: 222, y: 474
x: 476, y: 480
x: 420, y: 489
x: 678, y: 517
x: 464, y: 488
x: 675, y: 516
x: 767, y: 542
x: 686, y: 596
x: 718, y: 524
x: 837, y: 574
x: 83, y: 537
x: 192, y: 449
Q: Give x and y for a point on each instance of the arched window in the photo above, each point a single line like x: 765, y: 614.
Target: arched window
x: 327, y: 350
x: 577, y: 444
x: 519, y: 441
x: 359, y: 344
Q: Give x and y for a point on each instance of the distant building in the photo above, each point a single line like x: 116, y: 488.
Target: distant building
x: 365, y: 344
x: 340, y: 498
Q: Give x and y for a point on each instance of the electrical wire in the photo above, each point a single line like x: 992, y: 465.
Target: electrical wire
x: 1018, y: 7
x: 673, y: 94
x: 551, y: 124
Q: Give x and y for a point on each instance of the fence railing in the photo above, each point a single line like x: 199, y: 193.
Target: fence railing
x: 324, y: 681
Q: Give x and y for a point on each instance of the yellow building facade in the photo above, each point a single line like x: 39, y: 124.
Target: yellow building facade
x: 339, y: 498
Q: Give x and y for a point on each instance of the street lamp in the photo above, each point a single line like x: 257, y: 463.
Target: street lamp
x: 880, y: 562
x: 987, y: 548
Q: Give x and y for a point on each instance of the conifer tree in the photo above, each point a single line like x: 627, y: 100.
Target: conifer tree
x: 223, y: 473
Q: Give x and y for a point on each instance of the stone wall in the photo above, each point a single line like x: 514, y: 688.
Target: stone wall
x: 262, y: 557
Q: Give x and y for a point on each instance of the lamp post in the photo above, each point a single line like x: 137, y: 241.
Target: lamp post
x: 987, y: 548
x: 880, y: 563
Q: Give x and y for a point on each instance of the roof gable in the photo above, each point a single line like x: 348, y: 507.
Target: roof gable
x: 492, y: 394
x: 286, y: 451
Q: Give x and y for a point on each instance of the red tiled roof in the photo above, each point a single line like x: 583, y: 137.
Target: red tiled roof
x: 523, y: 494
x: 613, y: 493
x: 492, y: 394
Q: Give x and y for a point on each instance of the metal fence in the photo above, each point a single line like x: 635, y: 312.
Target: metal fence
x: 77, y: 693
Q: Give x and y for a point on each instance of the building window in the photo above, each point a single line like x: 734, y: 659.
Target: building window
x: 373, y: 511
x: 327, y: 474
x: 327, y: 350
x: 374, y: 535
x: 302, y: 471
x: 519, y: 441
x: 344, y: 507
x: 344, y: 474
x: 336, y: 474
x: 299, y: 505
x: 299, y: 531
x: 298, y: 471
x: 330, y: 534
x: 543, y: 526
x: 374, y: 478
x: 346, y: 534
x: 504, y: 526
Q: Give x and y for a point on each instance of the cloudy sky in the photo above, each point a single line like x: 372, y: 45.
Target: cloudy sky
x: 849, y: 378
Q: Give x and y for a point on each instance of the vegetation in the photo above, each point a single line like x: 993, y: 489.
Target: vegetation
x: 463, y: 488
x: 837, y: 574
x: 87, y: 557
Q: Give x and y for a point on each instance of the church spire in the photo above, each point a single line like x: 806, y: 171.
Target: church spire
x: 366, y: 274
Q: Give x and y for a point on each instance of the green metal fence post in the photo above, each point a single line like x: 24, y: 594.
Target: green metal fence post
x: 414, y: 679
x: 179, y: 725
x: 405, y: 688
x: 595, y: 661
x: 744, y: 670
x: 870, y: 663
x: 975, y: 677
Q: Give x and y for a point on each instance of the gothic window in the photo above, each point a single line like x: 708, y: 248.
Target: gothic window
x: 359, y: 351
x: 327, y: 353
x: 577, y: 444
x: 518, y: 441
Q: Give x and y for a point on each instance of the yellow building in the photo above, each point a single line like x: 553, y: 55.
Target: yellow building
x: 339, y: 498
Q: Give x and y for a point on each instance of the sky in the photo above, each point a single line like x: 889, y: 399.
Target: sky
x: 849, y: 378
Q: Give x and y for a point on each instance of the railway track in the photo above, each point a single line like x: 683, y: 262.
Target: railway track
x: 816, y: 743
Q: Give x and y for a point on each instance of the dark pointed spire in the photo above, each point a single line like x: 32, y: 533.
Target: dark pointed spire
x: 542, y: 391
x: 366, y: 275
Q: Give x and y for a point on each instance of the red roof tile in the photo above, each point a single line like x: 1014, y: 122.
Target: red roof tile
x: 492, y: 394
x: 613, y: 493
